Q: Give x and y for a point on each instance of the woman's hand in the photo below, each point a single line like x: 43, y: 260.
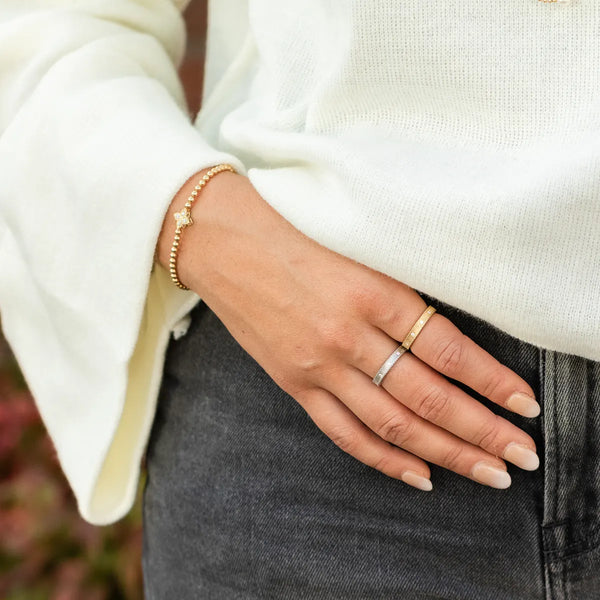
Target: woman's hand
x: 321, y: 325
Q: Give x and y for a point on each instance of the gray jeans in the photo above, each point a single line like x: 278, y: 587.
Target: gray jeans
x: 247, y: 499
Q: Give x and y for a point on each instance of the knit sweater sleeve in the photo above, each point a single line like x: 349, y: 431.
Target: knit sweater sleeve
x: 95, y: 140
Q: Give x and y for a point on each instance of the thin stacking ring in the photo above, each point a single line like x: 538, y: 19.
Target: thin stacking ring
x: 416, y: 328
x: 388, y: 364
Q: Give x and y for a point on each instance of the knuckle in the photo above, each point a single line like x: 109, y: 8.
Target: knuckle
x: 433, y: 404
x: 449, y: 355
x: 309, y: 362
x: 345, y: 438
x: 453, y: 456
x: 383, y: 312
x: 338, y: 337
x: 362, y: 298
x: 488, y: 434
x: 494, y: 381
x: 360, y: 355
x: 382, y: 464
x: 396, y: 429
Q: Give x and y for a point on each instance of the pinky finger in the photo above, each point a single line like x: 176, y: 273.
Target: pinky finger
x: 342, y: 426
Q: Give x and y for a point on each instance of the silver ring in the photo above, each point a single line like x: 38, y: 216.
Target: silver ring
x: 388, y: 364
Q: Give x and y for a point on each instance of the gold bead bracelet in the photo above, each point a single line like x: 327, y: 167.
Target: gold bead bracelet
x: 184, y: 218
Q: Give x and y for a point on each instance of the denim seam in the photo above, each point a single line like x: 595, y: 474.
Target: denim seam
x: 554, y: 524
x: 587, y: 545
x: 557, y: 462
x: 546, y: 571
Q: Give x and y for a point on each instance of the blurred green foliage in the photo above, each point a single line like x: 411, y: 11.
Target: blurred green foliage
x: 47, y: 551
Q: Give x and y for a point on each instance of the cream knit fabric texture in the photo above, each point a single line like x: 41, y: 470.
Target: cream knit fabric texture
x: 452, y: 144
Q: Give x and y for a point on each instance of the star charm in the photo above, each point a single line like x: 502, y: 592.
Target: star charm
x: 183, y: 218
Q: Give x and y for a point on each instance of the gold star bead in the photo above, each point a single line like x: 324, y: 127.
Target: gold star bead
x: 183, y: 218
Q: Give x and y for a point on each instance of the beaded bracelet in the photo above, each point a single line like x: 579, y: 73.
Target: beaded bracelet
x: 184, y: 218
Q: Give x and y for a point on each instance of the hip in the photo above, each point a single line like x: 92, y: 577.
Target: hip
x: 246, y: 498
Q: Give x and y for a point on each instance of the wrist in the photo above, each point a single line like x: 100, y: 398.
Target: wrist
x: 207, y: 200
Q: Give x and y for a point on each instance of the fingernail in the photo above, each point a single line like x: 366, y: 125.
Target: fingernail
x: 417, y: 481
x: 521, y: 456
x: 523, y: 404
x: 490, y: 475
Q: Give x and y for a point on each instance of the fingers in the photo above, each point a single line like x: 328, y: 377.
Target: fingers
x: 339, y: 424
x: 396, y: 423
x: 433, y: 398
x: 442, y: 346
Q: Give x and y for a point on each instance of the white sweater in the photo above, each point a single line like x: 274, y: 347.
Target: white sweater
x: 452, y: 144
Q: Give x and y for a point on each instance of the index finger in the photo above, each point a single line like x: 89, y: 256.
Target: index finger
x: 445, y: 348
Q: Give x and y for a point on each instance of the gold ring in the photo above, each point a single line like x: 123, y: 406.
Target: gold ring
x: 416, y: 328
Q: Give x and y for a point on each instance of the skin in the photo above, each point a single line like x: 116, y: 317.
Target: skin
x: 321, y: 325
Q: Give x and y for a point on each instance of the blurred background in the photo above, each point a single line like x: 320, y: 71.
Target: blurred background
x: 47, y: 551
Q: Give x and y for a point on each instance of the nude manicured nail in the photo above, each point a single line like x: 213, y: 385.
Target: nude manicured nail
x: 523, y: 404
x: 521, y: 456
x: 417, y: 481
x: 489, y: 475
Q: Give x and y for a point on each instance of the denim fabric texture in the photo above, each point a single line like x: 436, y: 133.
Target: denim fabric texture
x: 247, y: 499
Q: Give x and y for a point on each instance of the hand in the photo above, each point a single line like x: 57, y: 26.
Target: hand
x: 321, y: 325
